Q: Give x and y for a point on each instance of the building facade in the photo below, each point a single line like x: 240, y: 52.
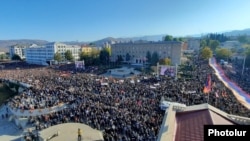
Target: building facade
x: 138, y: 51
x: 86, y: 49
x: 42, y: 55
x: 193, y: 44
x: 18, y: 50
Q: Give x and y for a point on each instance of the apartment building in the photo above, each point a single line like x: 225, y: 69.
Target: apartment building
x: 18, y: 50
x: 42, y: 55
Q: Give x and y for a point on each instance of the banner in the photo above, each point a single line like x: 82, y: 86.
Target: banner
x: 79, y: 65
x: 167, y: 70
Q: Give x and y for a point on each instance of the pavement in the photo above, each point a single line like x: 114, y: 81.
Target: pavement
x: 8, y: 130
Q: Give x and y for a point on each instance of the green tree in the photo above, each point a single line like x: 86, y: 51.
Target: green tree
x: 247, y: 61
x: 86, y: 57
x: 128, y: 57
x: 2, y: 56
x: 223, y: 53
x: 95, y: 53
x: 214, y: 44
x: 104, y: 56
x: 149, y: 57
x: 155, y: 58
x: 16, y: 57
x: 168, y: 38
x: 119, y: 59
x: 206, y: 53
x: 243, y: 39
x: 165, y: 61
x: 57, y: 57
x: 108, y: 49
x: 203, y: 43
x: 68, y: 55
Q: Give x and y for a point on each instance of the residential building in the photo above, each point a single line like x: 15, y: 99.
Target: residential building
x: 193, y: 44
x: 138, y: 51
x: 18, y: 50
x: 42, y: 55
x: 231, y: 44
x: 87, y: 49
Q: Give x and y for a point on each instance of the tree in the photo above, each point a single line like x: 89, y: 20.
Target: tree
x: 165, y: 61
x: 206, y: 53
x: 104, y: 56
x: 119, y: 59
x: 58, y: 57
x: 128, y: 57
x: 155, y: 58
x: 243, y: 39
x: 168, y: 38
x: 214, y: 44
x: 68, y: 55
x: 16, y: 57
x: 247, y: 61
x: 108, y: 49
x: 149, y: 56
x: 223, y: 53
x: 203, y: 43
x: 86, y: 57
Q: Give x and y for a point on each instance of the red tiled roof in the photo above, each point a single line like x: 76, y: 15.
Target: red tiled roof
x: 190, y: 125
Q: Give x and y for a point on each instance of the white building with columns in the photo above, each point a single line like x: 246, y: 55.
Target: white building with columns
x: 138, y: 51
x: 42, y: 55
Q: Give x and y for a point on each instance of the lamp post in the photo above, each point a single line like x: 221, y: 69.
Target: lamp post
x: 243, y: 65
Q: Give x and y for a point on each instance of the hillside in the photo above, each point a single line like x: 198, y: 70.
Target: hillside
x: 238, y: 32
x: 5, y: 44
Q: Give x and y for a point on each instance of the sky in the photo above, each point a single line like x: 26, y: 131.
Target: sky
x: 90, y: 20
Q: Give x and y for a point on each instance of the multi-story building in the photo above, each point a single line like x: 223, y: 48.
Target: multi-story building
x: 86, y: 49
x: 138, y: 51
x: 18, y: 50
x: 193, y: 44
x: 42, y: 55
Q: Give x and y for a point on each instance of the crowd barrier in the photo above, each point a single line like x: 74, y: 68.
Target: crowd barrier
x: 36, y: 112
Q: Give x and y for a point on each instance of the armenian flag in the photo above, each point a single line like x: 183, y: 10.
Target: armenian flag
x: 207, y: 87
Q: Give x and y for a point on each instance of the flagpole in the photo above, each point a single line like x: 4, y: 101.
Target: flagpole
x: 176, y: 71
x: 208, y: 98
x: 243, y: 65
x: 157, y: 69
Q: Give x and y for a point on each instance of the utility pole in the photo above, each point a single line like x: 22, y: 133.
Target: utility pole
x: 243, y: 65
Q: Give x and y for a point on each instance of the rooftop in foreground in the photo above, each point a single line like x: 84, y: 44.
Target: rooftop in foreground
x: 187, y: 123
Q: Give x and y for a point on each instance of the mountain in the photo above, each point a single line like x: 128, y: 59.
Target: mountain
x: 129, y: 39
x: 238, y: 32
x: 5, y: 44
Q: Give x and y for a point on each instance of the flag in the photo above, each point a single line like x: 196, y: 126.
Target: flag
x: 207, y: 87
x: 216, y: 94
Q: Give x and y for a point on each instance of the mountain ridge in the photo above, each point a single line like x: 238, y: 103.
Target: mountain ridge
x: 5, y: 44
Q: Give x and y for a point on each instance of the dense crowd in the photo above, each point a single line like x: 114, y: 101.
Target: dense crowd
x: 125, y: 109
x: 234, y: 72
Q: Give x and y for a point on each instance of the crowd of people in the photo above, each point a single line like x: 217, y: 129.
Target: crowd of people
x: 235, y: 73
x: 125, y: 109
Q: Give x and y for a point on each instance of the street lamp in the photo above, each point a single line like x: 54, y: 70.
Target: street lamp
x: 243, y: 65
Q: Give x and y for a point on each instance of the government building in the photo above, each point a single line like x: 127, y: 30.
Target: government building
x: 137, y: 51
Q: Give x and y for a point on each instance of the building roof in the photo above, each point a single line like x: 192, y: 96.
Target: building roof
x: 69, y: 132
x: 190, y: 124
x: 187, y: 123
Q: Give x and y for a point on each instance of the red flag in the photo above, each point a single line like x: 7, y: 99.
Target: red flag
x: 207, y: 87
